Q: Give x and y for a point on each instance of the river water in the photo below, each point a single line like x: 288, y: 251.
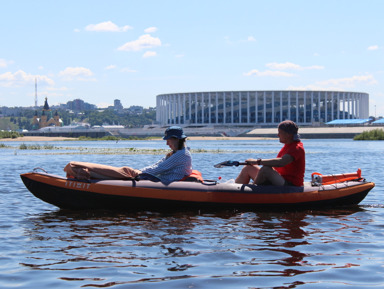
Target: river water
x: 42, y: 246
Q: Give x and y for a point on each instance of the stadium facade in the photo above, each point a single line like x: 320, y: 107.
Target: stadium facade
x: 259, y: 108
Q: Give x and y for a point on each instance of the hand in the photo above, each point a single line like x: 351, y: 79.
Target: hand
x: 251, y: 161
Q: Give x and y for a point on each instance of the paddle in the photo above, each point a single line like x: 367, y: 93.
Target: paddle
x: 229, y: 164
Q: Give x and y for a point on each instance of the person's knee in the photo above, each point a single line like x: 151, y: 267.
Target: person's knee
x: 266, y: 170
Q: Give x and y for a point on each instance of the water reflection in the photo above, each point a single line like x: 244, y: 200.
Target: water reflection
x: 146, y: 247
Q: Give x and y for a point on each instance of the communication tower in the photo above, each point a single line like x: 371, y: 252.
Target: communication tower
x: 35, y: 92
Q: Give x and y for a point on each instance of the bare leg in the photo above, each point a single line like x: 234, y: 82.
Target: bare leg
x: 268, y: 174
x: 247, y: 173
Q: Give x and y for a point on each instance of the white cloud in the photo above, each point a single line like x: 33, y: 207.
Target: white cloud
x: 112, y: 66
x: 338, y: 83
x: 179, y: 55
x: 77, y: 73
x: 251, y: 38
x: 150, y: 30
x: 291, y: 66
x: 21, y: 78
x: 373, y: 47
x: 107, y: 26
x: 272, y: 73
x: 349, y: 81
x: 149, y: 54
x: 145, y: 41
x: 4, y: 63
x: 276, y: 69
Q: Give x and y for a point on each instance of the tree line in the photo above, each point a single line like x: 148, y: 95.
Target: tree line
x: 93, y: 117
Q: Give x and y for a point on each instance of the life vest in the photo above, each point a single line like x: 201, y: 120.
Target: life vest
x: 319, y: 179
x: 195, y: 176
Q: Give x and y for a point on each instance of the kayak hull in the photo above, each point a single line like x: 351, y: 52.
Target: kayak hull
x: 130, y: 194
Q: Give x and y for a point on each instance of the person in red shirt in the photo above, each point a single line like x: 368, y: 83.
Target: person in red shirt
x: 287, y: 169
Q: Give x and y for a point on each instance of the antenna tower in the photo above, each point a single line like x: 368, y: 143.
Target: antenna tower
x: 35, y: 92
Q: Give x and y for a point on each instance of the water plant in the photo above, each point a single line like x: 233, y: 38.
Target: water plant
x: 375, y: 134
x: 23, y: 146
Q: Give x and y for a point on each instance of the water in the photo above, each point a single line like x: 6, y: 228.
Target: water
x: 42, y: 246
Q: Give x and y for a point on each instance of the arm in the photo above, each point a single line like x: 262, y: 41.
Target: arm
x: 275, y: 162
x: 166, y: 164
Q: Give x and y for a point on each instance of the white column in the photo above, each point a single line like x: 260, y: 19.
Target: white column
x: 184, y: 108
x: 325, y: 106
x: 256, y: 108
x: 349, y: 106
x: 273, y: 107
x: 289, y: 105
x: 217, y: 107
x: 232, y: 107
x: 281, y: 106
x: 338, y: 106
x: 312, y: 106
x: 264, y: 107
x: 332, y: 104
x: 202, y: 107
x: 354, y: 105
x: 209, y: 108
x: 190, y: 107
x: 224, y: 108
x: 169, y: 109
x: 195, y: 108
x: 248, y: 110
x: 319, y: 105
x: 177, y: 96
x: 297, y: 107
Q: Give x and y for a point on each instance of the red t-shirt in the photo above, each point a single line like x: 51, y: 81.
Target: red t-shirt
x: 294, y: 171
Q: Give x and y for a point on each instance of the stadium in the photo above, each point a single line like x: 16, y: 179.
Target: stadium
x: 259, y: 108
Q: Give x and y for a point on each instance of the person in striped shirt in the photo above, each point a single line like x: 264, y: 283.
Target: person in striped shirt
x: 176, y: 165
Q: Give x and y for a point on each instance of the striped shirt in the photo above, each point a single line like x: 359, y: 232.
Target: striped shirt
x: 173, y: 168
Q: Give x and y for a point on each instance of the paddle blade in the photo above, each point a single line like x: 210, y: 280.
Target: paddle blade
x: 227, y: 164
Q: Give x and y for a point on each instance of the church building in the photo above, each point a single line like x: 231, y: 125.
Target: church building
x: 46, y: 118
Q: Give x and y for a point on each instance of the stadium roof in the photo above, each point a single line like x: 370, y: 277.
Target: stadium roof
x: 348, y: 121
x: 379, y: 121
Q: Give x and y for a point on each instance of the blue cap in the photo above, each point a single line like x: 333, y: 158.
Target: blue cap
x: 174, y: 131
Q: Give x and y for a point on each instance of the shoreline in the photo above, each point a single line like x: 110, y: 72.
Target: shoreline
x: 39, y: 138
x: 59, y: 138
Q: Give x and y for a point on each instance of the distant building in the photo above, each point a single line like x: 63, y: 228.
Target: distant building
x: 261, y: 108
x: 117, y: 106
x: 46, y: 118
x: 78, y: 105
x: 135, y: 109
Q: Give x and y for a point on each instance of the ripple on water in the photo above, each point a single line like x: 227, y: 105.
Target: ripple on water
x: 44, y: 247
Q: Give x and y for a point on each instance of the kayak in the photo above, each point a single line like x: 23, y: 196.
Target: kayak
x: 67, y: 193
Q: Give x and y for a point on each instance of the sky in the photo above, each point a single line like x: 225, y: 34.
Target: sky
x: 100, y: 51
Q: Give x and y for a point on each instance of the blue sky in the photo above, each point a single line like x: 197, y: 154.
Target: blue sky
x: 134, y: 50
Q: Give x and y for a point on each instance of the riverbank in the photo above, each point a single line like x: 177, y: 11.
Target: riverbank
x: 38, y: 138
x: 258, y: 133
x: 56, y: 138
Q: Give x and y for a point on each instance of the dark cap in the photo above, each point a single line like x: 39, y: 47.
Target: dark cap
x: 174, y: 131
x: 290, y: 127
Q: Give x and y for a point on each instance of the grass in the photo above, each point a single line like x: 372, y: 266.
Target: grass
x: 9, y: 134
x: 114, y: 138
x: 23, y: 146
x: 375, y: 134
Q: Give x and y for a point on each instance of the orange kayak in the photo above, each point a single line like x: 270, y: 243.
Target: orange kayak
x: 144, y: 194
